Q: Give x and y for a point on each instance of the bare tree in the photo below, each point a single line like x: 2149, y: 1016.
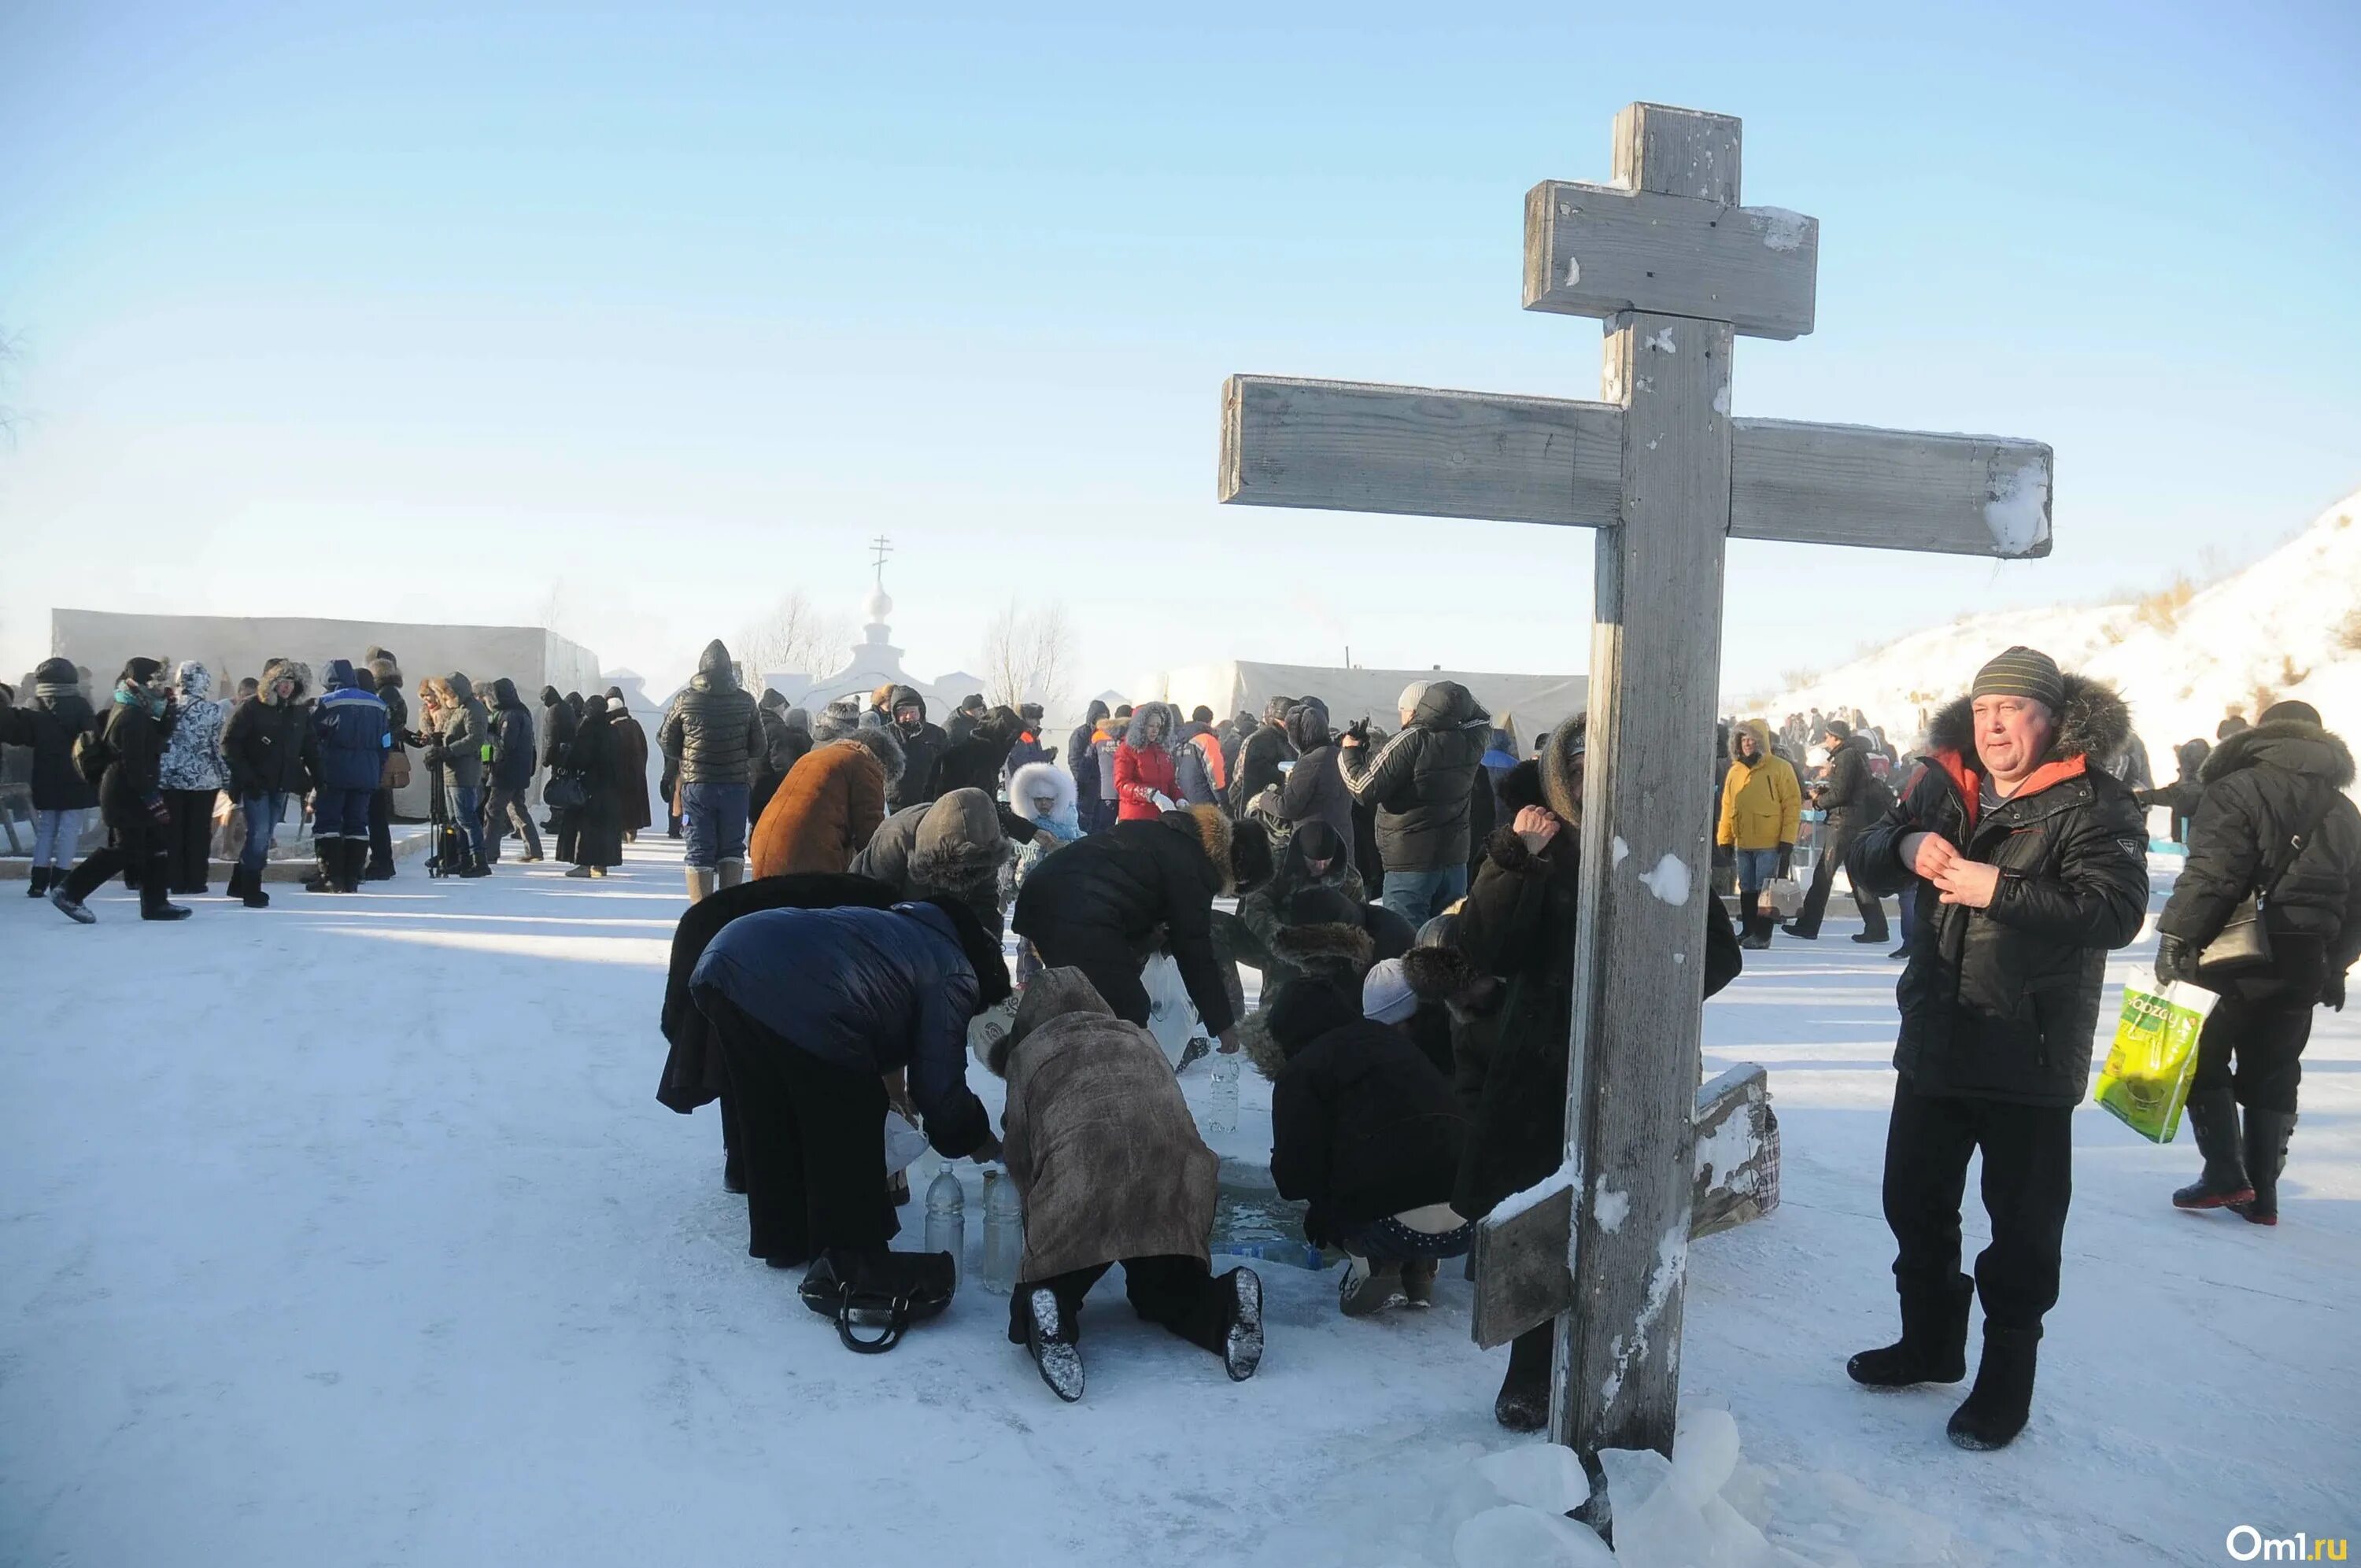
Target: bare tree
x: 1028, y: 655
x: 792, y: 635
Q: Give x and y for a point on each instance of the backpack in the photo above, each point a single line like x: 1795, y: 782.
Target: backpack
x: 92, y: 755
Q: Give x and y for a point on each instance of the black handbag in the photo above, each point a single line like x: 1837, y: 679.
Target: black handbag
x: 886, y: 1291
x: 2243, y: 946
x: 564, y: 791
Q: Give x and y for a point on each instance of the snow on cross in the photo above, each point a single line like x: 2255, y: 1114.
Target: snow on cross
x: 1672, y: 263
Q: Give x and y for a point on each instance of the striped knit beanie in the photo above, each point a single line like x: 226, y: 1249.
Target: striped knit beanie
x: 2023, y: 672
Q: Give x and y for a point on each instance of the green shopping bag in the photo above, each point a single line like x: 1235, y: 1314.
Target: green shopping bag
x: 2145, y: 1082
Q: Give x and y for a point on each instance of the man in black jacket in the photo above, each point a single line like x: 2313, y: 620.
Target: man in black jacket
x: 268, y: 744
x: 1083, y: 764
x: 1257, y: 765
x: 1854, y: 797
x: 2033, y: 865
x: 556, y: 736
x: 131, y: 799
x: 2265, y: 790
x: 513, y: 754
x: 1099, y: 904
x: 712, y: 737
x: 1419, y: 782
x: 923, y: 745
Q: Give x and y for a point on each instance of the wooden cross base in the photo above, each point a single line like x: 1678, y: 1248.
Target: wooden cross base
x: 1524, y: 1275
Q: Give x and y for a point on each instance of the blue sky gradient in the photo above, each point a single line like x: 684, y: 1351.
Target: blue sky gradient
x: 429, y: 313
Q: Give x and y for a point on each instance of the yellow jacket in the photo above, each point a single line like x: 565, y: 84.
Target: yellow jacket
x: 1761, y: 805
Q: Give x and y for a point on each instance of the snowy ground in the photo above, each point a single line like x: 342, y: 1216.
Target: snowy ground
x: 351, y: 1232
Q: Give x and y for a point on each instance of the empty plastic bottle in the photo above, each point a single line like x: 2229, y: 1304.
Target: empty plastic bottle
x: 947, y: 1218
x: 1003, y: 1233
x: 1222, y: 1095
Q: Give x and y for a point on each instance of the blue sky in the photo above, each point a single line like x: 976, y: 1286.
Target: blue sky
x: 428, y: 312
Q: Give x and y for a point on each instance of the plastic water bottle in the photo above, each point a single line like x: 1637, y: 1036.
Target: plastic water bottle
x: 1222, y: 1094
x: 947, y: 1218
x: 1003, y: 1233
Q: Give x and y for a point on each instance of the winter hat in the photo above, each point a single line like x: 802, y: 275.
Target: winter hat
x: 1837, y: 729
x: 1303, y: 1010
x: 1520, y: 786
x: 2233, y: 725
x: 1316, y: 841
x: 1123, y: 710
x: 1411, y: 695
x: 615, y: 696
x: 2021, y: 671
x: 139, y: 671
x: 2291, y: 712
x: 1030, y: 713
x: 1201, y: 714
x: 1249, y: 856
x: 971, y: 702
x: 1385, y: 996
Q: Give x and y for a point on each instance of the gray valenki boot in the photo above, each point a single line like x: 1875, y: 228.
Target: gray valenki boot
x: 701, y: 881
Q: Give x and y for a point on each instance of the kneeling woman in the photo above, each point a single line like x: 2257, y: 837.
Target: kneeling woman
x: 1109, y: 1162
x: 812, y: 1008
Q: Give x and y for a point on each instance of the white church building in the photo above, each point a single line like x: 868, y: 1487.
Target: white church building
x: 874, y: 661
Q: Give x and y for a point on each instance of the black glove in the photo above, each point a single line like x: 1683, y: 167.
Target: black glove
x: 1786, y: 859
x: 2332, y: 993
x: 161, y: 812
x: 2174, y: 961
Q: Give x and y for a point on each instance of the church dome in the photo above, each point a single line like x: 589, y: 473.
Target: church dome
x: 877, y: 606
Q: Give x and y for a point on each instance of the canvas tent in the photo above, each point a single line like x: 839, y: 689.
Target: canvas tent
x: 1537, y: 703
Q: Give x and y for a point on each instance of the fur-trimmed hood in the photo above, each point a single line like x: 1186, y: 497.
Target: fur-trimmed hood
x: 276, y: 670
x: 1326, y: 950
x: 2292, y: 744
x: 2093, y: 722
x: 1561, y: 769
x: 959, y: 844
x: 1224, y: 844
x: 1142, y: 728
x: 1760, y: 730
x: 1034, y: 780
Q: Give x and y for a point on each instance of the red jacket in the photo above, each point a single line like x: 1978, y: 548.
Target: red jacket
x: 1139, y: 777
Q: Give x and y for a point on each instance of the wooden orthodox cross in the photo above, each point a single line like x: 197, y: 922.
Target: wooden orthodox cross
x: 1672, y: 264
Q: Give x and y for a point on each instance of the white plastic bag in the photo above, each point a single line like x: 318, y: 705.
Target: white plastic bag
x: 1172, y: 1016
x: 904, y: 1143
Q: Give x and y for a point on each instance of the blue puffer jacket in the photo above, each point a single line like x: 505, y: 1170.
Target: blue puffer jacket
x: 869, y: 990
x: 350, y: 732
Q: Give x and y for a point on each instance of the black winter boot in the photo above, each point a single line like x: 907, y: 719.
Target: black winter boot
x: 474, y: 866
x: 1525, y: 1400
x: 1934, y: 1344
x: 247, y: 886
x: 1998, y: 1405
x: 2267, y: 1133
x: 1053, y: 1344
x: 2214, y: 1122
x: 37, y: 882
x: 329, y: 878
x: 154, y: 883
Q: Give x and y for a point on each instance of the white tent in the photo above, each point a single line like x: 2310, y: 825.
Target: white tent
x: 1537, y: 703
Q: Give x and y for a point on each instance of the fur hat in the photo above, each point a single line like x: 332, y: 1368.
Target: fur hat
x: 1561, y: 769
x: 1303, y: 1010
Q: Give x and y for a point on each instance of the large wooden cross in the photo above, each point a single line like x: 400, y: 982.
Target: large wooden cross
x: 1672, y: 263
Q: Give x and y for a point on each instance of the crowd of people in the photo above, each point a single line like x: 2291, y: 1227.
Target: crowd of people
x: 1408, y: 897
x: 174, y: 771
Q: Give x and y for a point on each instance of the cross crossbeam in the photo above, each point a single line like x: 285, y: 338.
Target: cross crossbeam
x: 1665, y: 476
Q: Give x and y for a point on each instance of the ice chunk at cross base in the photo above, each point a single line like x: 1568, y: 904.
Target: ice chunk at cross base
x: 1520, y: 1537
x: 1705, y: 1452
x: 1541, y: 1476
x: 1658, y: 1524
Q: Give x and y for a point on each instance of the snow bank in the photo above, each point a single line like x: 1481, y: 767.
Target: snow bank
x: 2279, y: 629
